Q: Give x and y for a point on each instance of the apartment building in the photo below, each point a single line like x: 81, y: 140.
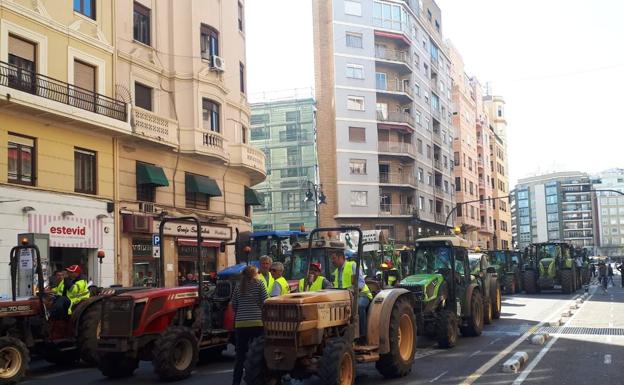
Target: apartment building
x: 183, y: 71
x: 285, y: 130
x: 383, y: 91
x: 609, y: 225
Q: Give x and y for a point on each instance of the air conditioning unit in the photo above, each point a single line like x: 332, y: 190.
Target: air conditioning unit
x: 147, y: 207
x: 217, y: 63
x: 141, y: 223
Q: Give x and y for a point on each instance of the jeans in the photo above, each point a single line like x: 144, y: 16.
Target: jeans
x: 604, y: 281
x: 244, y: 338
x: 60, y: 307
x: 363, y: 303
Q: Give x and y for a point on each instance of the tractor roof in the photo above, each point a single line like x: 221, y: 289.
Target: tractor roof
x: 321, y: 244
x: 455, y: 241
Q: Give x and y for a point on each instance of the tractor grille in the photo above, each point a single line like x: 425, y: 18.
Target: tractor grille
x: 117, y: 317
x: 224, y: 289
x: 281, y: 321
x: 416, y: 289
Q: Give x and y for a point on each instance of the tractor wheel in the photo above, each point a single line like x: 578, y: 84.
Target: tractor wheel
x: 488, y: 306
x: 530, y: 282
x: 447, y: 325
x: 337, y: 364
x: 175, y: 353
x: 256, y: 371
x: 567, y: 281
x: 398, y: 361
x: 14, y: 358
x: 496, y: 302
x: 510, y: 284
x: 89, y: 333
x: 474, y: 325
x: 117, y: 365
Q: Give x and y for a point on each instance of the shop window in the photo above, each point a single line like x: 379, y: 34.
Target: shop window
x: 145, y: 266
x: 21, y: 159
x: 85, y: 171
x: 188, y: 273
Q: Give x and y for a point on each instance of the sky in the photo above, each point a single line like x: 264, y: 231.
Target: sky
x: 559, y: 64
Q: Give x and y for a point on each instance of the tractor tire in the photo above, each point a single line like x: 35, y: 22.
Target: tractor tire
x: 474, y: 322
x: 530, y: 282
x: 567, y: 281
x: 14, y: 358
x: 402, y: 335
x: 117, y: 365
x: 510, y: 284
x: 447, y: 327
x: 488, y: 306
x: 175, y: 354
x: 89, y: 333
x: 337, y: 364
x: 256, y: 371
x: 496, y: 302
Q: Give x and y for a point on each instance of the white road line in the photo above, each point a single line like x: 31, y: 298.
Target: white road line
x: 438, y: 377
x: 474, y: 354
x: 502, y: 354
x: 525, y: 373
x: 607, y: 359
x: 494, y: 341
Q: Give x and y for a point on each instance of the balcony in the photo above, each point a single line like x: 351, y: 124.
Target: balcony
x: 437, y: 164
x: 397, y: 179
x: 203, y: 142
x: 397, y: 59
x: 397, y: 149
x: 396, y: 120
x: 396, y: 89
x: 53, y: 100
x: 396, y: 210
x: 153, y: 127
x: 440, y: 218
x: 250, y: 158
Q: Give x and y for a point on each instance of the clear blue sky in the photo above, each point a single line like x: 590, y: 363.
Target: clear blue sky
x: 558, y: 63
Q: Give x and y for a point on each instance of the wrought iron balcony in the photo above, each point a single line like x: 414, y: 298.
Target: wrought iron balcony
x: 58, y: 91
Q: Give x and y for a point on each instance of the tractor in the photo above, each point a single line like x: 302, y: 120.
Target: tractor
x: 509, y: 265
x: 317, y: 333
x: 446, y: 297
x: 487, y: 277
x: 168, y: 326
x: 26, y: 328
x: 551, y: 265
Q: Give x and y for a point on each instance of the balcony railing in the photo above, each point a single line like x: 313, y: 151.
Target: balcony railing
x: 58, y: 91
x: 396, y: 147
x: 395, y: 117
x: 397, y: 178
x: 247, y: 156
x: 393, y: 55
x: 394, y: 86
x: 148, y: 124
x: 212, y: 140
x: 396, y: 209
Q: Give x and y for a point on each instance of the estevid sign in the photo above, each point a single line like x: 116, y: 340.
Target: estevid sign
x: 69, y: 231
x: 188, y: 230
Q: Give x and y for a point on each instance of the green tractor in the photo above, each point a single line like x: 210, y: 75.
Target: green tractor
x: 487, y: 277
x: 509, y: 265
x: 447, y: 298
x: 551, y: 265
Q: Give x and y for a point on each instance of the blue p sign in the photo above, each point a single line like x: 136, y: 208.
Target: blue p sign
x: 156, y: 240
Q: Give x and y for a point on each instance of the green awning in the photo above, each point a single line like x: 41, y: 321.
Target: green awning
x: 150, y: 174
x: 202, y: 184
x: 252, y: 198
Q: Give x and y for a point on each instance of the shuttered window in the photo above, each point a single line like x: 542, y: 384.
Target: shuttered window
x: 84, y: 171
x: 84, y: 75
x: 22, y: 49
x: 143, y: 96
x: 357, y: 134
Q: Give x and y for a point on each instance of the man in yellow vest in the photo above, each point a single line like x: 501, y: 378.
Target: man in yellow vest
x: 264, y: 272
x: 345, y: 278
x: 70, y: 291
x: 315, y: 281
x: 280, y: 286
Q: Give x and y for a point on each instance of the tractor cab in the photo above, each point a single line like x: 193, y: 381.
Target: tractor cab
x: 550, y: 265
x: 509, y: 265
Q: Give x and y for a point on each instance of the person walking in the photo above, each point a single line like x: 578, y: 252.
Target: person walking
x: 602, y: 276
x: 70, y: 291
x: 610, y: 274
x: 265, y: 272
x: 247, y: 300
x: 280, y: 287
x: 621, y: 270
x: 593, y: 270
x: 315, y: 281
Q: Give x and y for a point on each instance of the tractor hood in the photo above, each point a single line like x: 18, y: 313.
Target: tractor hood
x: 311, y: 297
x: 427, y: 284
x: 420, y: 279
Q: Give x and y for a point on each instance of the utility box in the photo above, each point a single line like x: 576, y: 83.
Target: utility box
x: 27, y: 264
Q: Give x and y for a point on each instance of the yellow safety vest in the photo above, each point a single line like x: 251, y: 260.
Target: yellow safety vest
x: 267, y: 285
x: 284, y: 288
x: 316, y: 285
x: 347, y: 273
x: 76, y: 293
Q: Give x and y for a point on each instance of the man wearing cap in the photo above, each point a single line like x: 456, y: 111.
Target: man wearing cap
x: 264, y: 272
x: 280, y: 287
x: 315, y: 281
x: 70, y: 291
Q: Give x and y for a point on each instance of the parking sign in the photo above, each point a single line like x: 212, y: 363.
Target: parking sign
x: 156, y: 246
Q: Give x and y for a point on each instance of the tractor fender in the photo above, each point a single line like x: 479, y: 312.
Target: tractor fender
x: 469, y: 291
x: 81, y: 308
x: 379, y: 312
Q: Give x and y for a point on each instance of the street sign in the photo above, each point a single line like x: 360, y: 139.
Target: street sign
x: 156, y: 246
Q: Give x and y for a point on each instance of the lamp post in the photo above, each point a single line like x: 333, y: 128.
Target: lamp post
x: 315, y: 193
x: 474, y: 201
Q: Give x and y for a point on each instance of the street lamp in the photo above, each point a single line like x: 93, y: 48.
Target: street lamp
x: 474, y: 201
x: 315, y: 194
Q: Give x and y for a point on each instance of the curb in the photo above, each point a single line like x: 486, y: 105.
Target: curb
x: 515, y: 363
x: 540, y: 339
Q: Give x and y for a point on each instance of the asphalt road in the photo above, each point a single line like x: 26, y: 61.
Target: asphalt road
x: 588, y: 349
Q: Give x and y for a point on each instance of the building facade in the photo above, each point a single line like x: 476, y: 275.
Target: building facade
x: 610, y: 212
x: 182, y: 69
x: 285, y: 131
x: 555, y: 207
x: 383, y: 91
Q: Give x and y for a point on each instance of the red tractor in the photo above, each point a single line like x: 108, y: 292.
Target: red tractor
x: 168, y: 326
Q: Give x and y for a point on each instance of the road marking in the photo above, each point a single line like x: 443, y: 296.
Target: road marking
x: 607, y: 359
x: 502, y: 354
x: 475, y: 353
x: 525, y: 373
x: 494, y: 341
x: 438, y: 377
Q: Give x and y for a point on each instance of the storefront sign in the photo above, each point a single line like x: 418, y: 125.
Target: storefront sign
x: 69, y: 231
x: 189, y: 230
x: 141, y: 247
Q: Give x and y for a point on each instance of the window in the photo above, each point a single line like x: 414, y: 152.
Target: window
x: 22, y: 55
x: 196, y: 200
x: 357, y: 166
x: 241, y: 74
x: 359, y: 198
x: 390, y: 16
x: 431, y: 205
x: 259, y: 133
x: 421, y: 203
x: 142, y: 28
x: 421, y: 175
x: 430, y: 179
x: 419, y: 144
x: 84, y: 75
x: 457, y: 183
x: 21, y: 159
x: 241, y: 17
x: 357, y: 134
x: 84, y: 171
x: 293, y: 156
x: 382, y: 111
x: 210, y: 113
x: 209, y: 41
x: 354, y: 40
x: 143, y: 96
x: 381, y: 81
x: 428, y: 152
x: 355, y: 103
x: 446, y: 186
x: 290, y: 200
x: 355, y: 71
x: 416, y: 90
x: 85, y: 7
x: 435, y: 102
x: 353, y: 8
x: 417, y: 117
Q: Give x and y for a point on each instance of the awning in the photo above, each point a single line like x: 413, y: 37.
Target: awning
x: 252, y: 198
x: 150, y: 174
x: 193, y: 242
x: 202, y: 184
